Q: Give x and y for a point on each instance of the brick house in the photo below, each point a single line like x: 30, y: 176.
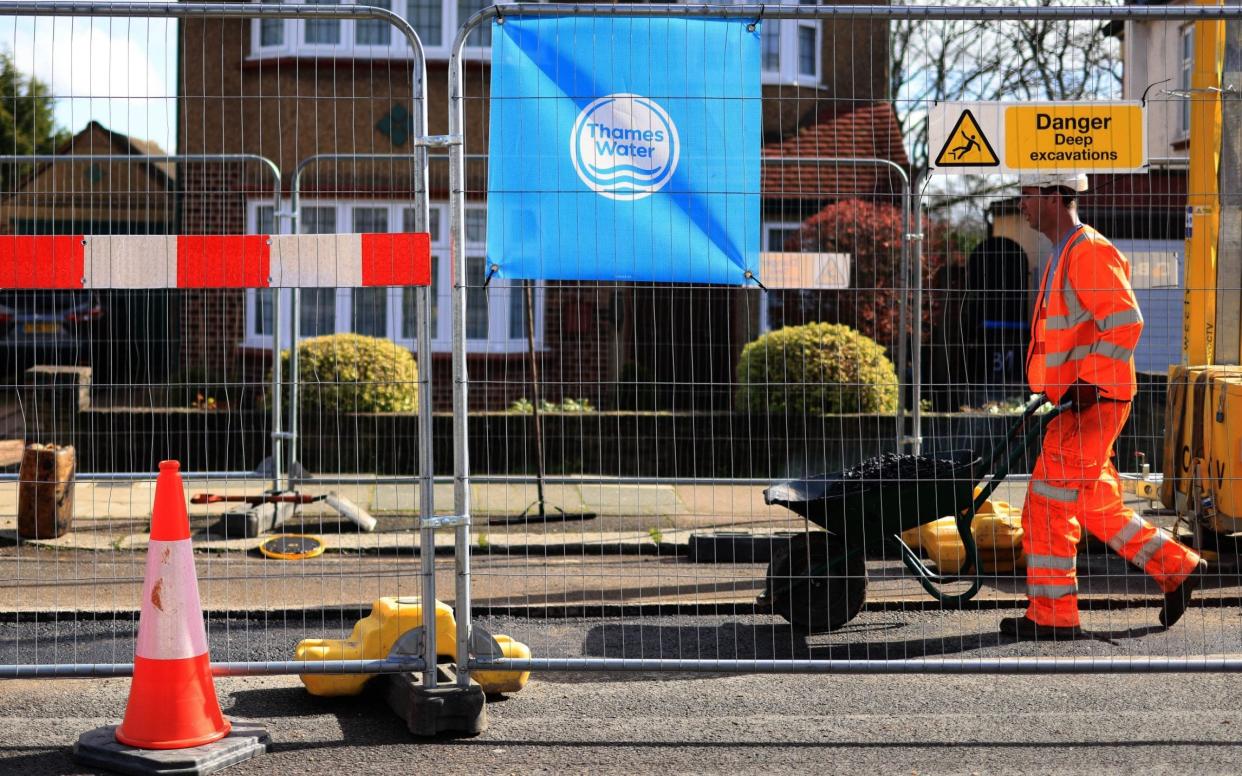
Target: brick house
x: 137, y: 338
x: 288, y: 90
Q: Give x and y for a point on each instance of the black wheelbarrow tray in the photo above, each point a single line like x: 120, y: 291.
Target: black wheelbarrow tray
x: 819, y: 582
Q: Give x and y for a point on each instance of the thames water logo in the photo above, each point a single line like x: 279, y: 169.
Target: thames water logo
x: 624, y: 146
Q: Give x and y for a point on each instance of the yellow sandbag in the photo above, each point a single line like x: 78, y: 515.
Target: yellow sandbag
x: 997, y: 529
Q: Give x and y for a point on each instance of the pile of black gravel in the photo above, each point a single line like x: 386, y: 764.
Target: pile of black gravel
x: 894, y: 468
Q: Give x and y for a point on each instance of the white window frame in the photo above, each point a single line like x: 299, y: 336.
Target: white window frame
x: 1185, y: 78
x: 499, y: 291
x: 765, y: 318
x: 786, y: 72
x: 293, y: 38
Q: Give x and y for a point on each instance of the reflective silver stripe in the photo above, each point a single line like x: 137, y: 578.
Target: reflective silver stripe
x: 1081, y: 236
x: 1127, y: 532
x: 1107, y: 323
x: 1051, y: 562
x: 1150, y: 549
x: 1118, y: 319
x: 1105, y: 349
x: 1074, y: 306
x: 1068, y: 495
x: 1051, y: 591
x: 1063, y: 322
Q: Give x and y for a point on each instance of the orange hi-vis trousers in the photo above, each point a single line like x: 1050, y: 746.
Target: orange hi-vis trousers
x: 1075, y: 485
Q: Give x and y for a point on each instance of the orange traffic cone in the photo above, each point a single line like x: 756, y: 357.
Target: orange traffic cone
x: 172, y: 701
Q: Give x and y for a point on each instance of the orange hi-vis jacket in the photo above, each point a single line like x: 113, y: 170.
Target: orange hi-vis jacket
x: 1086, y: 322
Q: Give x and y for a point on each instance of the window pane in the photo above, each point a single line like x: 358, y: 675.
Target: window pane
x: 1188, y: 53
x: 426, y: 16
x: 476, y: 298
x: 323, y: 31
x: 318, y: 220
x: 779, y: 236
x: 263, y: 311
x: 373, y: 32
x: 436, y: 285
x: 476, y: 226
x: 517, y: 310
x: 271, y: 32
x: 806, y: 50
x: 370, y: 219
x: 264, y: 220
x: 318, y: 315
x: 482, y: 35
x: 370, y: 307
x: 433, y: 222
x: 771, y: 42
x: 410, y: 315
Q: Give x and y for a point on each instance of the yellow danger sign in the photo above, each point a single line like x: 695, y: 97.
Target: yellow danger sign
x: 1075, y: 136
x: 985, y: 138
x: 967, y: 145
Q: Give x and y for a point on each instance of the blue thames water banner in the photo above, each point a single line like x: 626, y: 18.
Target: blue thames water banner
x: 624, y: 149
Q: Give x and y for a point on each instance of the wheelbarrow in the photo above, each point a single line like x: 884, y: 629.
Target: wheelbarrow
x: 819, y: 581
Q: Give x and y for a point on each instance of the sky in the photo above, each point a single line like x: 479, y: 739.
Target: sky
x: 119, y: 72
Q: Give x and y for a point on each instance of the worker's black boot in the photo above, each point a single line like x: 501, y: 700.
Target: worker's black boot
x: 1024, y: 629
x: 1175, y: 603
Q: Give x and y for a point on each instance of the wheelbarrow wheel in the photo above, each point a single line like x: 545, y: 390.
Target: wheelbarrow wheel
x: 815, y: 586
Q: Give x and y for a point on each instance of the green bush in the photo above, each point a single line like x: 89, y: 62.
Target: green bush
x: 353, y: 373
x: 815, y: 368
x: 523, y: 406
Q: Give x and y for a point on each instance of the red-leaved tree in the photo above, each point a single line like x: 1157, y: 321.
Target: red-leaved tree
x: 871, y: 233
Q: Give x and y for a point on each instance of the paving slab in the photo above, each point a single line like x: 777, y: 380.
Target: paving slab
x: 516, y: 499
x: 609, y: 499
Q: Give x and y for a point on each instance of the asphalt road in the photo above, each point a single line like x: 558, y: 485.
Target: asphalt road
x: 683, y: 723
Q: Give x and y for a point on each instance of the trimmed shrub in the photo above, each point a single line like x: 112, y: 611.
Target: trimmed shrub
x: 353, y: 373
x: 815, y: 368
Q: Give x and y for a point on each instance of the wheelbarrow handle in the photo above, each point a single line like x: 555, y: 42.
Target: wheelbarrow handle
x: 1028, y: 410
x: 1010, y: 453
x: 965, y: 518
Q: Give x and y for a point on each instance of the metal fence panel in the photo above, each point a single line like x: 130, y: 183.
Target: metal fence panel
x: 128, y: 375
x: 611, y: 454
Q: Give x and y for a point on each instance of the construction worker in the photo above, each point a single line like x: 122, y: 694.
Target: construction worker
x: 1083, y: 333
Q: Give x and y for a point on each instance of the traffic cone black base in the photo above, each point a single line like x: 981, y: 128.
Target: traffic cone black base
x: 99, y: 748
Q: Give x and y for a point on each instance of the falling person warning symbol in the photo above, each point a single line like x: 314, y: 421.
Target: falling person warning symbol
x: 967, y: 146
x: 971, y: 142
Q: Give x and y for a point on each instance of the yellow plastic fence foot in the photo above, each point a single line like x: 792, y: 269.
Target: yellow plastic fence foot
x: 502, y: 682
x: 373, y: 638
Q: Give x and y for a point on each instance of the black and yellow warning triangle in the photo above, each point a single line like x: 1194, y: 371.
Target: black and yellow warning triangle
x: 967, y: 146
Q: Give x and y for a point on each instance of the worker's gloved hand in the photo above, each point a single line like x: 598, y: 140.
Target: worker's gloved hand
x: 1084, y: 395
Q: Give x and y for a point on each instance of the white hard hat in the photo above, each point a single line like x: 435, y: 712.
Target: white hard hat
x: 1074, y: 181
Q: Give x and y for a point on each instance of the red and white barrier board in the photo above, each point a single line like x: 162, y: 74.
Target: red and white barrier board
x: 216, y: 261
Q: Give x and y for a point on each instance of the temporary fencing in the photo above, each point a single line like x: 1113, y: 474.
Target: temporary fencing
x: 802, y: 292
x: 203, y: 381
x: 644, y: 427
